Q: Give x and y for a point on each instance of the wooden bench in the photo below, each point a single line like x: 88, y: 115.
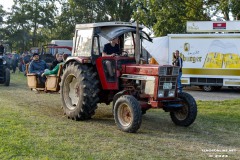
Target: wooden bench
x: 32, y: 80
x: 51, y: 84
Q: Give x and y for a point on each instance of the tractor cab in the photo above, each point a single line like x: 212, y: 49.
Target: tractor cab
x: 89, y: 41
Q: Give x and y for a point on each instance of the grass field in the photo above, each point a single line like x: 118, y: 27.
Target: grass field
x: 32, y: 126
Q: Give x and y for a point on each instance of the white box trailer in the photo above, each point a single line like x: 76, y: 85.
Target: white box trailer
x: 210, y: 61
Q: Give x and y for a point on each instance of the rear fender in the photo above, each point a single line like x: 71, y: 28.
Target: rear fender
x: 83, y: 60
x: 79, y: 59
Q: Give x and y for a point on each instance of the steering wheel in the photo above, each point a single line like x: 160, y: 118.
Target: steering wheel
x: 125, y: 53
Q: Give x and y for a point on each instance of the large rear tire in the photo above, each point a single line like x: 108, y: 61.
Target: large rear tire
x: 127, y: 114
x: 188, y: 113
x: 7, y: 77
x: 79, y: 91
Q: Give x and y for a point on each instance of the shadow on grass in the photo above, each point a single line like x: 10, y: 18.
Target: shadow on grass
x: 205, y: 129
x: 103, y: 115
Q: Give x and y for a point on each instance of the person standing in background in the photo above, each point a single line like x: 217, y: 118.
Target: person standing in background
x: 1, y: 49
x: 26, y: 60
x: 178, y: 62
x: 15, y: 59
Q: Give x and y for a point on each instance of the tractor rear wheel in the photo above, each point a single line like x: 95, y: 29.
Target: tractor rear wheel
x: 127, y: 114
x: 7, y: 77
x: 187, y: 114
x: 79, y: 91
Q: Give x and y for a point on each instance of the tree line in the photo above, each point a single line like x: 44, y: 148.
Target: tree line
x: 31, y: 23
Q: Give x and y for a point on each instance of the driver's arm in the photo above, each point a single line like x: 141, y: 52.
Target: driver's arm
x: 124, y: 52
x: 104, y: 54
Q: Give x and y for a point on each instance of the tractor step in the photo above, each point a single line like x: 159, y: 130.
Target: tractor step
x: 172, y: 105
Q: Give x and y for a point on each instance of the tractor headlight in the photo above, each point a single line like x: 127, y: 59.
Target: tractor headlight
x: 171, y: 93
x: 4, y: 62
x: 160, y: 93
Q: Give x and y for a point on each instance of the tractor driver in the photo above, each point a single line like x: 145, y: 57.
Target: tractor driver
x: 111, y: 49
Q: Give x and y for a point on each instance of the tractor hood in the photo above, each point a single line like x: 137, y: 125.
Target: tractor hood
x: 150, y: 69
x: 143, y: 69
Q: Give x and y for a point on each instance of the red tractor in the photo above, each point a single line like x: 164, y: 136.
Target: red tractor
x: 133, y: 90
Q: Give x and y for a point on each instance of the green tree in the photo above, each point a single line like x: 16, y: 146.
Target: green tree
x: 2, y: 12
x: 223, y: 8
x: 169, y: 16
x: 235, y: 9
x: 2, y: 29
x: 28, y: 18
x: 90, y: 11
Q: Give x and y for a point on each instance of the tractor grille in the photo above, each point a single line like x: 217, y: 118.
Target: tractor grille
x: 167, y: 86
x: 168, y: 70
x: 172, y: 80
x: 167, y: 81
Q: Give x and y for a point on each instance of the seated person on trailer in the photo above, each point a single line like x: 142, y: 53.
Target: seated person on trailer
x: 59, y: 59
x: 38, y: 66
x: 56, y: 68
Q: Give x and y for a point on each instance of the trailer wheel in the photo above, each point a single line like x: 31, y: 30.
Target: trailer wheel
x: 79, y: 91
x: 7, y: 77
x: 207, y: 88
x: 128, y: 114
x: 187, y: 114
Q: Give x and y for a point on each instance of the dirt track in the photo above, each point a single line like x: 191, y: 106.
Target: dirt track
x: 223, y: 94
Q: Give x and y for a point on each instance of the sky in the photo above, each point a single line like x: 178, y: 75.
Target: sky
x: 6, y: 4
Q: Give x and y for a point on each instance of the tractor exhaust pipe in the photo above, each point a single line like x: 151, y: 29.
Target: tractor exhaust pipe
x: 137, y: 45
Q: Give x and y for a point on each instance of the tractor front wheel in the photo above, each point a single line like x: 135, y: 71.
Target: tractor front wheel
x: 186, y: 115
x: 127, y: 114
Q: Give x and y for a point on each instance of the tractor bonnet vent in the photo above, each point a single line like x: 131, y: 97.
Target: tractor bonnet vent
x: 168, y: 70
